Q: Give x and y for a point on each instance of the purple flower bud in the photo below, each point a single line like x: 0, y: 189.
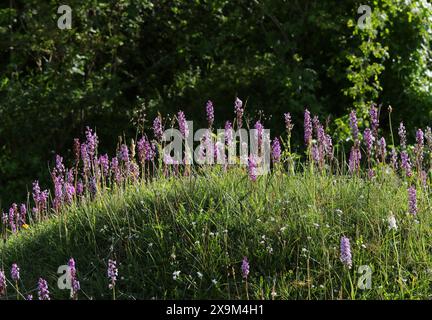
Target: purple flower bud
x: 321, y: 136
x: 276, y: 150
x: 40, y: 198
x: 219, y: 152
x: 58, y: 192
x: 168, y: 160
x: 259, y: 132
x: 93, y: 186
x: 85, y: 158
x: 157, y: 128
x: 229, y: 134
x: 206, y: 147
x: 354, y: 126
x: 245, y: 268
x: 115, y: 170
x: 146, y: 150
x: 23, y: 214
x: 328, y: 146
x: 238, y: 108
x: 75, y: 285
x: 141, y: 152
x: 373, y: 112
x: 69, y: 192
x: 184, y: 128
x: 412, y: 200
x: 12, y: 217
x: 394, y: 159
x: 43, y: 292
x: 112, y: 273
x: 419, y: 149
x: 354, y: 160
x: 210, y: 113
x: 36, y: 191
x: 133, y: 171
x: 5, y: 218
x: 368, y: 140
x: 288, y: 123
x: 319, y: 151
x: 252, y: 168
x: 382, y: 149
x: 307, y: 128
x: 80, y: 188
x: 92, y: 142
x: 124, y: 153
x: 345, y: 252
x: 70, y: 176
x: 103, y: 162
x: 15, y: 275
x: 150, y: 151
x: 420, y: 138
x: 402, y: 135
x: 59, y: 168
x: 406, y: 163
x: 315, y: 154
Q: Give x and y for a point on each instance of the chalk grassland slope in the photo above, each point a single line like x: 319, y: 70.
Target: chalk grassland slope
x: 289, y: 227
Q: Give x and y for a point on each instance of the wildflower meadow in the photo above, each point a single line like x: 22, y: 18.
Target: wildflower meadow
x: 329, y: 223
x: 215, y: 158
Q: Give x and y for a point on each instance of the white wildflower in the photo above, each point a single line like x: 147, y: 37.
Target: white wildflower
x: 392, y: 222
x: 176, y: 274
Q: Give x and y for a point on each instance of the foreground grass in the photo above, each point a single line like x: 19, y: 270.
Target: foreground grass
x: 289, y: 227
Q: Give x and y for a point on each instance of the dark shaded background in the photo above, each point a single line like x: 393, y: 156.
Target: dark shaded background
x: 123, y: 61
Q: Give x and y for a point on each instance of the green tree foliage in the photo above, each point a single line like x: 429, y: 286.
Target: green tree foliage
x: 123, y: 61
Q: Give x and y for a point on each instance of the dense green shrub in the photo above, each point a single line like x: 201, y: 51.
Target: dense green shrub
x: 125, y: 60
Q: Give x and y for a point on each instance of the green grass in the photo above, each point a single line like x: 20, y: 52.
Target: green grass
x: 289, y: 227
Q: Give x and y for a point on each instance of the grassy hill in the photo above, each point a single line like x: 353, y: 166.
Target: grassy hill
x: 289, y: 226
